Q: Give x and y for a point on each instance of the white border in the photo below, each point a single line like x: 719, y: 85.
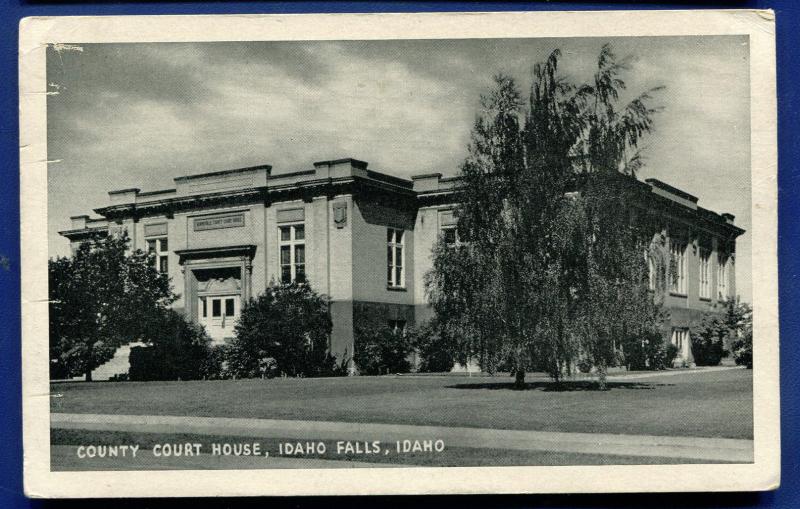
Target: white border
x: 36, y: 33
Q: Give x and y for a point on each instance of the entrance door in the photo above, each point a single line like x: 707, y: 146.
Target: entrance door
x: 218, y: 313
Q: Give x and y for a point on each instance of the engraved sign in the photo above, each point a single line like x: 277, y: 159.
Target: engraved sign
x: 217, y: 222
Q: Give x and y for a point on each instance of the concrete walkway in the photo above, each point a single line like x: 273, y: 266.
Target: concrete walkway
x: 694, y: 448
x: 673, y: 372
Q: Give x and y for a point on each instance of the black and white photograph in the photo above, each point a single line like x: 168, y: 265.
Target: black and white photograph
x: 414, y: 254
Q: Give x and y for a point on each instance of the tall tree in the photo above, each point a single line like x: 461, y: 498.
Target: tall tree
x: 616, y: 273
x: 544, y: 218
x: 102, y: 297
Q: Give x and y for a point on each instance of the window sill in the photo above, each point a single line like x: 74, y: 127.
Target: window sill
x: 396, y: 288
x: 676, y: 294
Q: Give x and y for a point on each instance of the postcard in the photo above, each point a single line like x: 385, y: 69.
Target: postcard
x: 434, y: 253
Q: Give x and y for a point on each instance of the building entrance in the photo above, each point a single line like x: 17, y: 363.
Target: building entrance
x: 219, y: 292
x: 218, y: 314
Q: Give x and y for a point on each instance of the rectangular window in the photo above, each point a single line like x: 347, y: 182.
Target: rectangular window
x: 216, y: 308
x: 293, y: 253
x: 722, y: 278
x: 159, y: 248
x: 204, y: 303
x: 229, y: 309
x: 678, y: 267
x: 398, y: 327
x: 449, y: 235
x: 705, y: 274
x: 395, y: 274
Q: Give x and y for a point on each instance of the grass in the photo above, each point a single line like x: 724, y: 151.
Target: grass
x: 709, y: 404
x: 66, y: 441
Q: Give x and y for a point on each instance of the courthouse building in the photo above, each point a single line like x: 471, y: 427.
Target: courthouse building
x: 361, y: 237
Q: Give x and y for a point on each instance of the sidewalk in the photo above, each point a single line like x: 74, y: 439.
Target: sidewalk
x: 695, y: 448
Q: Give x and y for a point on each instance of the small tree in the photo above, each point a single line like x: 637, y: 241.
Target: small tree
x: 101, y: 298
x: 742, y: 349
x: 708, y: 339
x: 289, y: 323
x: 738, y: 318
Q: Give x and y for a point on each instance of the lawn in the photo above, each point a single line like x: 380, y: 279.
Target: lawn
x: 710, y: 404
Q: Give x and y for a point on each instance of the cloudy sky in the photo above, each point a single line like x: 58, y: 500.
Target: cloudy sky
x: 137, y: 115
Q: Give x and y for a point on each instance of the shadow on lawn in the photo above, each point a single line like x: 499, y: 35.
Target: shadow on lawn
x: 566, y: 386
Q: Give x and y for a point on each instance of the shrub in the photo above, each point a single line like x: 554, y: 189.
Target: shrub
x: 288, y: 323
x: 649, y: 352
x: 742, y: 348
x: 434, y: 347
x: 379, y: 350
x: 670, y: 354
x: 213, y: 366
x: 177, y: 349
x: 708, y: 339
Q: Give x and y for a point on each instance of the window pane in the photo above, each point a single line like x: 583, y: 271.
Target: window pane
x: 398, y: 276
x: 229, y: 307
x: 300, y: 273
x: 450, y: 236
x: 205, y: 306
x: 398, y: 259
x: 285, y: 233
x: 285, y: 255
x: 151, y: 246
x: 162, y: 264
x: 389, y: 260
x: 216, y: 307
x: 389, y: 235
x: 399, y: 236
x: 299, y: 232
x: 286, y: 274
x: 164, y: 245
x: 389, y: 274
x: 300, y: 254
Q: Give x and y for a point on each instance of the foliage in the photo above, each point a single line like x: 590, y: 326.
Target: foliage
x: 213, y: 366
x: 379, y: 350
x: 649, y: 352
x: 289, y: 323
x: 551, y: 266
x: 101, y: 298
x: 708, y: 339
x: 434, y: 347
x: 177, y: 349
x: 742, y: 349
x: 670, y: 356
x: 738, y: 317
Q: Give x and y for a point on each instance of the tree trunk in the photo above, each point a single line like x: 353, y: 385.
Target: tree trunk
x: 602, y: 371
x: 519, y: 378
x: 88, y: 375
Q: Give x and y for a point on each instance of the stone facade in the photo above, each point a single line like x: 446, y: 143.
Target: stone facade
x: 361, y: 237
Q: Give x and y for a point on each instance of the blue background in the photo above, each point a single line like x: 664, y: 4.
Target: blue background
x: 788, y: 50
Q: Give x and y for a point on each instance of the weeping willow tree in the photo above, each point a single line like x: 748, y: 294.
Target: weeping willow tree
x: 546, y: 263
